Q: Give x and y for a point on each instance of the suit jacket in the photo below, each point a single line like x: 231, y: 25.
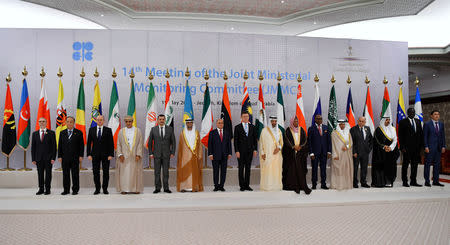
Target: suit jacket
x: 242, y: 143
x: 432, y: 140
x: 103, y: 147
x: 319, y: 145
x: 219, y: 149
x: 409, y: 139
x: 361, y: 145
x: 73, y: 148
x: 161, y: 147
x: 45, y: 150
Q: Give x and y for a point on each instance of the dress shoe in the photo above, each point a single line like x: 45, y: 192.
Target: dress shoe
x: 96, y: 192
x: 297, y: 191
x: 405, y: 184
x: 365, y: 185
x: 40, y: 192
x: 249, y: 188
x: 313, y: 186
x: 415, y: 184
x: 355, y: 186
x: 216, y: 189
x: 324, y: 187
x: 308, y: 191
x: 242, y: 189
x: 156, y: 191
x: 427, y: 184
x: 438, y: 184
x: 167, y: 191
x: 222, y: 189
x: 64, y: 193
x: 389, y: 185
x: 75, y: 193
x: 47, y: 193
x: 106, y: 192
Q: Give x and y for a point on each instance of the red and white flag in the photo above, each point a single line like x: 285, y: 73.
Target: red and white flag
x: 43, y: 110
x: 299, y: 111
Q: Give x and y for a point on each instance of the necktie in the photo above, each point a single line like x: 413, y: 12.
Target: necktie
x: 246, y: 129
x: 413, y: 125
x: 42, y: 135
x: 362, y: 132
x: 436, y: 128
x: 320, y: 130
x: 99, y: 134
x: 162, y: 132
x: 221, y: 135
x: 70, y: 134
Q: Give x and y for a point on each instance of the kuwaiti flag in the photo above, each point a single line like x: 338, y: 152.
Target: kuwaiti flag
x: 24, y: 128
x: 9, y: 125
x: 61, y: 113
x: 261, y: 119
x: 349, y: 112
x: 386, y: 105
x: 43, y: 110
x: 401, y: 112
x: 246, y: 105
x: 280, y: 109
x: 188, y: 109
x: 225, y: 112
x: 96, y: 105
x: 299, y: 109
x: 207, y: 118
x: 114, y: 113
x: 80, y: 121
x: 332, y: 111
x: 168, y: 108
x: 368, y: 112
x: 151, y: 117
x: 317, y: 107
x: 132, y: 104
x: 418, y: 106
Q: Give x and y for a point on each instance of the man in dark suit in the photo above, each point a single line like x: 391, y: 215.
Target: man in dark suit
x: 434, y: 142
x: 219, y: 151
x: 319, y: 150
x: 245, y: 146
x: 70, y: 154
x: 362, y: 146
x: 43, y: 154
x: 100, y: 149
x: 410, y: 136
x: 161, y: 147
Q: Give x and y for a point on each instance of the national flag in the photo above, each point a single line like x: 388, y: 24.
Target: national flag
x: 80, y: 120
x: 207, y: 118
x: 317, y: 109
x: 132, y: 104
x: 280, y: 109
x: 401, y: 112
x: 96, y: 105
x: 246, y: 104
x: 418, y: 106
x: 299, y: 109
x: 188, y: 110
x: 24, y: 128
x: 349, y: 112
x: 151, y: 117
x: 368, y: 112
x: 114, y: 113
x: 61, y: 113
x: 168, y: 108
x: 332, y: 111
x: 43, y: 110
x: 225, y: 111
x: 386, y: 105
x: 261, y: 119
x: 9, y: 139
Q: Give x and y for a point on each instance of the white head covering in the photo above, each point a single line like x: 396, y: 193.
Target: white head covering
x: 390, y: 132
x: 344, y: 132
x: 190, y: 135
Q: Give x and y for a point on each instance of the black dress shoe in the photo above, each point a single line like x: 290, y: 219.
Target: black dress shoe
x: 64, y: 193
x: 242, y: 189
x: 47, y: 193
x: 314, y: 187
x: 167, y: 191
x: 427, y: 184
x: 297, y: 191
x: 216, y: 189
x: 405, y: 184
x: 75, y: 193
x: 106, y: 192
x: 249, y: 188
x: 324, y: 187
x: 222, y: 189
x: 308, y: 191
x: 355, y: 186
x: 438, y: 184
x: 365, y: 185
x: 156, y: 191
x: 415, y: 184
x: 40, y: 192
x: 96, y: 192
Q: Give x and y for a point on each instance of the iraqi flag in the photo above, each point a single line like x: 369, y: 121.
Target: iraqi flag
x: 349, y: 112
x: 207, y: 118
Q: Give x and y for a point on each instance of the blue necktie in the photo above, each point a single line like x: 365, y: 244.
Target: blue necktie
x: 70, y: 133
x: 246, y: 129
x: 99, y: 135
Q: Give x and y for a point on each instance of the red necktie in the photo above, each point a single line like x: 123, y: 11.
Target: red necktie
x: 221, y: 135
x: 436, y: 128
x: 42, y: 136
x: 320, y: 130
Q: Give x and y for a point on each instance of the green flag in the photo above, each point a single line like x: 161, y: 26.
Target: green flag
x: 280, y: 109
x: 332, y: 111
x: 132, y: 105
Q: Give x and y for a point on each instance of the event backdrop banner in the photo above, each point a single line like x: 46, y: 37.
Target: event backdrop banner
x: 155, y: 51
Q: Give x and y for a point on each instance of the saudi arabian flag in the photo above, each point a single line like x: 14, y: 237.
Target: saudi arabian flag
x: 151, y: 116
x: 114, y: 113
x: 132, y: 104
x: 386, y: 107
x: 332, y: 111
x: 280, y: 109
x: 261, y: 120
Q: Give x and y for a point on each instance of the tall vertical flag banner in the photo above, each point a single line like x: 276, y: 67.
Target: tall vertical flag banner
x: 280, y: 109
x: 349, y: 112
x: 225, y: 111
x: 261, y: 120
x: 24, y: 128
x: 188, y: 109
x: 368, y: 112
x: 317, y: 109
x: 332, y: 111
x: 61, y: 113
x: 299, y: 109
x: 386, y: 105
x: 207, y: 118
x: 418, y: 105
x: 132, y: 104
x: 151, y: 116
x: 168, y: 108
x: 9, y: 125
x: 80, y: 120
x: 246, y: 105
x: 96, y: 105
x: 114, y: 113
x: 43, y: 110
x: 401, y: 111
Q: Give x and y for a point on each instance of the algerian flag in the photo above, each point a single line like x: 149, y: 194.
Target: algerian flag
x: 207, y: 118
x: 114, y: 114
x: 151, y: 116
x: 132, y: 105
x: 280, y: 109
x: 386, y: 106
x: 332, y: 111
x: 261, y: 120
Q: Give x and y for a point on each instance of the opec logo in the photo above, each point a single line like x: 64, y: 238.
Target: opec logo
x: 82, y: 51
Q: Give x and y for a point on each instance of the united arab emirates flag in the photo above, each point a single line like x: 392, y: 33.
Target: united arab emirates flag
x: 386, y: 105
x: 9, y: 125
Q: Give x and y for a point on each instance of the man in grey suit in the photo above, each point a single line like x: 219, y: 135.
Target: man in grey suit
x: 161, y: 147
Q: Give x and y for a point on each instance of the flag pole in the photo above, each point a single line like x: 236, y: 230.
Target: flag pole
x: 150, y: 77
x: 59, y: 74
x: 8, y: 80
x: 25, y: 73
x: 205, y: 149
x: 82, y: 75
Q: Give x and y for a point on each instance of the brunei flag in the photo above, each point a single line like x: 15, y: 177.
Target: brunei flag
x: 61, y: 113
x: 80, y: 121
x: 96, y: 105
x: 9, y: 125
x: 225, y: 112
x: 188, y: 110
x: 246, y: 104
x: 24, y: 129
x: 132, y: 104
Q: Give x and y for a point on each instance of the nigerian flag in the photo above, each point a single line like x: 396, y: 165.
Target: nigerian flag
x: 332, y: 111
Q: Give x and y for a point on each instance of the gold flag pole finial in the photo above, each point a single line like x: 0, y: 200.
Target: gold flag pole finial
x: 167, y: 74
x: 206, y: 76
x: 299, y: 78
x: 8, y: 78
x: 150, y: 76
x: 332, y: 79
x: 400, y: 82
x: 245, y: 75
x: 114, y: 74
x: 385, y: 81
x: 260, y: 77
x: 82, y: 74
x: 417, y: 82
x: 59, y: 74
x: 367, y: 81
x: 24, y: 72
x: 316, y: 78
x: 96, y: 74
x: 225, y: 77
x: 187, y: 73
x: 278, y: 77
x: 42, y: 74
x: 348, y: 79
x: 132, y: 73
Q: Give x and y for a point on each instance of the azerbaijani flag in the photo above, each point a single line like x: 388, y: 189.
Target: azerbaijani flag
x: 24, y: 129
x: 96, y: 105
x: 132, y: 104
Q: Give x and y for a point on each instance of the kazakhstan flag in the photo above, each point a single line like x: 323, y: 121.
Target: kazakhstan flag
x: 188, y: 110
